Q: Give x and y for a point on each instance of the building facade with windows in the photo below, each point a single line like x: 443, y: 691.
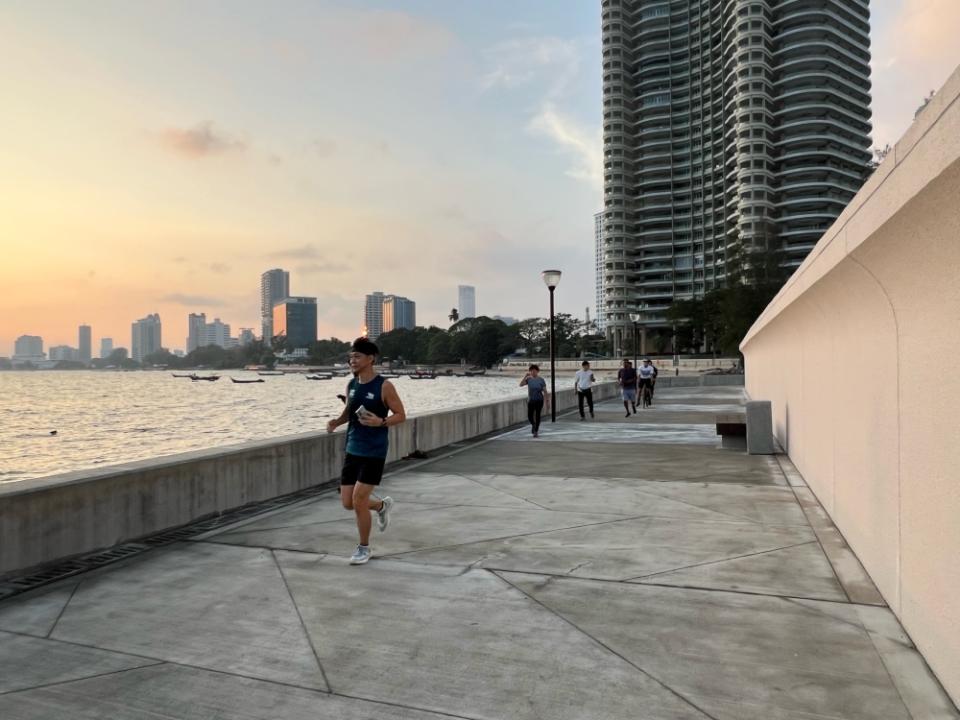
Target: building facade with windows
x: 599, y: 271
x: 728, y: 125
x: 295, y: 318
x: 466, y: 301
x: 146, y: 337
x: 274, y: 287
x: 84, y: 344
x: 373, y: 315
x: 398, y: 312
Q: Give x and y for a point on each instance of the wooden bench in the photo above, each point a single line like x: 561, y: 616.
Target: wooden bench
x: 731, y: 427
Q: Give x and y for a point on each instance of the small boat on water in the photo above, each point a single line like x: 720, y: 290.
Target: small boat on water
x: 320, y: 376
x: 270, y: 372
x: 389, y: 376
x: 211, y: 378
x: 186, y: 375
x: 475, y: 373
x: 247, y: 382
x: 423, y: 376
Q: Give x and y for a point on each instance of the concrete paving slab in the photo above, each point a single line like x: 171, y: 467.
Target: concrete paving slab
x: 610, y: 460
x: 619, y: 433
x: 417, y: 528
x: 213, y: 606
x: 27, y: 662
x: 855, y: 580
x: 799, y: 571
x: 921, y: 692
x: 471, y: 644
x: 760, y: 504
x: 620, y: 550
x: 450, y: 489
x: 737, y: 656
x: 35, y: 613
x: 635, y: 497
x: 170, y: 691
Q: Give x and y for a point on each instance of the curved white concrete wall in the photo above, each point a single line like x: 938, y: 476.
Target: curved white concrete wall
x: 856, y: 354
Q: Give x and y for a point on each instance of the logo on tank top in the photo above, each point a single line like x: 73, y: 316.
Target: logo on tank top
x: 369, y: 396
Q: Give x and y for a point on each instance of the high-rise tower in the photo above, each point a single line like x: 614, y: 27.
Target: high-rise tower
x: 274, y: 287
x: 727, y: 123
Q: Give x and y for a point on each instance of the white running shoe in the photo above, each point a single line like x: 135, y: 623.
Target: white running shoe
x: 383, y: 515
x: 361, y: 555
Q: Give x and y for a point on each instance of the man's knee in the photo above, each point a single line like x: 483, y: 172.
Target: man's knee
x: 347, y: 501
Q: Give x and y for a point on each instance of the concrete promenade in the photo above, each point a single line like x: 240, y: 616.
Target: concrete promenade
x: 611, y: 569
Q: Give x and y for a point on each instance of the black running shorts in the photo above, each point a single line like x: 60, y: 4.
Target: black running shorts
x: 366, y: 470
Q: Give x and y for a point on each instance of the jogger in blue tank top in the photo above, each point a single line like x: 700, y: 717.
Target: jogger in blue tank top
x: 367, y: 414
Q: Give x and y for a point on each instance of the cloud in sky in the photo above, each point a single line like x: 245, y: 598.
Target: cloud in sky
x: 584, y: 145
x: 200, y: 141
x: 187, y: 299
x: 300, y: 252
x: 321, y: 268
x: 550, y: 64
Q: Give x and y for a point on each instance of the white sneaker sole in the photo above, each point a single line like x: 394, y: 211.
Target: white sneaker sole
x: 363, y: 561
x: 383, y: 519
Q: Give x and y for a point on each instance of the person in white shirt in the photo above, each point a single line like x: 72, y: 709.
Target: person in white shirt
x: 583, y: 383
x: 648, y: 376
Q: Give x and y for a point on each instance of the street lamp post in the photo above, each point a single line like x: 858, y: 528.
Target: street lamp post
x: 635, y: 318
x: 551, y: 278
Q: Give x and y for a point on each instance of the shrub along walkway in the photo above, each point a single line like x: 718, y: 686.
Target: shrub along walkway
x: 615, y: 568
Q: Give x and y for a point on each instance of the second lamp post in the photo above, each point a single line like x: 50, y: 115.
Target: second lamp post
x: 551, y: 278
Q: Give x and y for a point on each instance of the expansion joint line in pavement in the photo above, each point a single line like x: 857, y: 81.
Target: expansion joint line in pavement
x: 303, y: 625
x: 609, y: 649
x: 720, y: 561
x: 663, y: 586
x: 64, y: 608
x: 510, y: 537
x: 816, y: 533
x: 500, y: 490
x: 57, y: 683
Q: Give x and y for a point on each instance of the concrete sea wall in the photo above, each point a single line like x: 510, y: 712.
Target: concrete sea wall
x: 70, y: 514
x: 856, y: 354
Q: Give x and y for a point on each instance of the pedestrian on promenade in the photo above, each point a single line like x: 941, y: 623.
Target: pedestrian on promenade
x: 537, y: 397
x: 372, y: 406
x: 583, y: 383
x: 627, y: 380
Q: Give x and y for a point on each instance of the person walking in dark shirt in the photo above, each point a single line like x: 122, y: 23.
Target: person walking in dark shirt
x: 627, y: 379
x: 537, y: 397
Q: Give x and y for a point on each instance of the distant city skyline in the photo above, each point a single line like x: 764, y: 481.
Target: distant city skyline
x: 216, y: 175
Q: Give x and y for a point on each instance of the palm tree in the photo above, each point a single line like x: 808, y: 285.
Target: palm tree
x: 454, y: 315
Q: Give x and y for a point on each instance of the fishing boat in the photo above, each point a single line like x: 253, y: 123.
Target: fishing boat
x: 270, y: 372
x: 211, y: 378
x: 246, y: 382
x: 423, y: 376
x: 186, y: 375
x: 475, y: 373
x: 320, y: 376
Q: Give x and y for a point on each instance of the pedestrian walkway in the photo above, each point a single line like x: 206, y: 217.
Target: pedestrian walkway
x: 610, y: 569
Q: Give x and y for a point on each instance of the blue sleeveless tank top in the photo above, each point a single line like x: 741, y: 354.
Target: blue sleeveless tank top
x: 362, y: 440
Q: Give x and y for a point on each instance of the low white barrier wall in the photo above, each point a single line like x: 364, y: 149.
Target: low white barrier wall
x: 77, y: 513
x: 856, y: 354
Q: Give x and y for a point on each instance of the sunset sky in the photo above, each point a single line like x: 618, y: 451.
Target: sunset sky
x: 158, y: 156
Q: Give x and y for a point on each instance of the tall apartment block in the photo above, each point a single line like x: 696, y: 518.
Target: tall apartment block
x: 373, y: 315
x: 106, y: 347
x: 145, y: 337
x: 84, y: 343
x: 726, y: 123
x: 398, y: 312
x: 466, y: 301
x: 600, y: 319
x: 274, y: 287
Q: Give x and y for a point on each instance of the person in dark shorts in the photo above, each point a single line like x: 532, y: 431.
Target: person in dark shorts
x: 372, y: 406
x: 627, y: 379
x: 537, y: 397
x: 648, y: 376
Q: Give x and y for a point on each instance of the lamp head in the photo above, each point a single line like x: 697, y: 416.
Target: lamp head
x: 635, y: 317
x: 551, y: 278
